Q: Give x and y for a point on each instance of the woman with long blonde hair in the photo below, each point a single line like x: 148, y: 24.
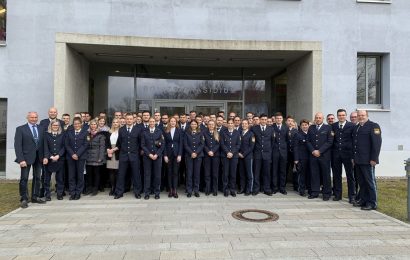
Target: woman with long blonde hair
x: 113, y: 154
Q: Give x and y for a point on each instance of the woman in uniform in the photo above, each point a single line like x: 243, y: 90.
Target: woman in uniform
x: 211, y: 158
x: 246, y: 158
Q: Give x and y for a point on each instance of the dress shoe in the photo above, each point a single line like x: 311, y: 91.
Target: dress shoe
x: 38, y: 200
x: 24, y: 204
x: 72, y: 197
x: 117, y: 197
x: 48, y: 198
x: 59, y: 196
x: 196, y: 194
x: 351, y: 200
x: 337, y: 198
x: 88, y: 192
x: 226, y: 194
x: 94, y: 193
x: 138, y: 196
x: 302, y: 194
x: 247, y: 193
x: 170, y: 194
x: 326, y: 198
x: 215, y: 194
x: 233, y: 194
x: 64, y: 194
x: 312, y: 197
x: 146, y: 197
x: 77, y: 197
x: 283, y: 192
x: 111, y: 193
x: 241, y: 192
x: 156, y: 197
x: 206, y: 193
x: 268, y: 193
x: 357, y: 204
x: 101, y: 189
x: 255, y: 193
x: 367, y: 207
x: 176, y: 195
x: 189, y: 195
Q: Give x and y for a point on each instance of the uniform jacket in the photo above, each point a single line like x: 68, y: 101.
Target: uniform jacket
x: 152, y: 143
x: 194, y: 143
x: 210, y: 144
x: 321, y: 139
x: 129, y: 143
x: 230, y: 143
x: 263, y: 142
x: 247, y: 144
x: 25, y: 146
x: 54, y: 145
x: 46, y: 122
x: 367, y: 142
x: 76, y: 144
x: 282, y: 139
x: 343, y: 141
x: 300, y: 149
x: 174, y: 146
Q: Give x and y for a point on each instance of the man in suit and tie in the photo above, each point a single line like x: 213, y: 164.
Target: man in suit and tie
x: 28, y: 145
x: 280, y: 154
x: 52, y: 116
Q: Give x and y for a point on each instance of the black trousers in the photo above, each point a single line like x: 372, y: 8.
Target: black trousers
x: 152, y: 175
x: 173, y: 170
x: 245, y: 174
x: 337, y: 163
x: 211, y: 172
x: 113, y: 178
x: 93, y: 177
x: 35, y: 186
x: 123, y: 168
x: 367, y: 183
x: 262, y: 167
x: 229, y: 174
x: 59, y: 180
x: 279, y: 173
x: 302, y: 173
x: 76, y: 176
x: 193, y: 171
x: 320, y: 167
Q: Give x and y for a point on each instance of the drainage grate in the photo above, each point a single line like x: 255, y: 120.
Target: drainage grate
x: 268, y: 216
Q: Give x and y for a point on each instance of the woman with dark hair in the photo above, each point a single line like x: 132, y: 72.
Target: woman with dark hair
x: 193, y: 145
x: 211, y: 158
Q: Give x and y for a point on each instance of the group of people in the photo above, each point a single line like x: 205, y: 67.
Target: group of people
x: 146, y: 154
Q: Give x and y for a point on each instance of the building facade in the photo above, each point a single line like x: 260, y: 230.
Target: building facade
x: 297, y: 57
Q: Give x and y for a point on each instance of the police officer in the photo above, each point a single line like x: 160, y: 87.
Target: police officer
x: 367, y: 141
x: 174, y: 139
x: 193, y: 145
x: 262, y: 154
x: 152, y: 143
x: 76, y: 146
x: 54, y: 151
x: 280, y: 155
x: 128, y: 143
x: 211, y: 158
x: 320, y: 141
x: 245, y: 159
x: 301, y: 156
x: 342, y: 152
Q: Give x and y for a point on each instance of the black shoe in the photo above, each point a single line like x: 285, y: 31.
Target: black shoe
x: 255, y: 193
x: 302, y: 194
x: 241, y: 192
x: 48, y: 198
x: 24, y: 204
x: 117, y: 197
x: 275, y: 191
x: 337, y: 198
x: 247, y: 193
x: 233, y: 194
x: 226, y: 194
x: 326, y: 198
x: 176, y: 195
x: 72, y: 197
x: 59, y: 196
x: 215, y: 194
x: 77, y: 197
x: 111, y: 193
x: 94, y: 193
x: 196, y: 194
x: 64, y: 194
x: 38, y: 200
x: 283, y: 192
x: 101, y: 189
x: 88, y: 192
x: 189, y: 195
x: 268, y: 193
x: 138, y: 196
x: 207, y: 193
x: 170, y: 194
x: 156, y: 197
x: 357, y: 204
x: 312, y: 197
x: 146, y: 197
x: 367, y: 207
x: 351, y: 200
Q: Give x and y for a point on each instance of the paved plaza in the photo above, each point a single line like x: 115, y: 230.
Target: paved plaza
x: 199, y: 228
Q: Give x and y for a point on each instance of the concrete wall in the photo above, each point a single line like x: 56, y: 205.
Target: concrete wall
x: 343, y: 27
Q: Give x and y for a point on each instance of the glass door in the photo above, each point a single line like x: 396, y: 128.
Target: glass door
x: 170, y: 108
x: 207, y: 107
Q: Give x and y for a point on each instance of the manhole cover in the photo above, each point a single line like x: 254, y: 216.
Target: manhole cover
x: 255, y: 215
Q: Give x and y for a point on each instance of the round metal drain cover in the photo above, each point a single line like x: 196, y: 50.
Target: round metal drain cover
x: 255, y: 215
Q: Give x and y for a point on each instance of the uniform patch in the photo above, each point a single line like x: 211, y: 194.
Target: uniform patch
x: 332, y: 133
x: 88, y: 138
x: 376, y: 131
x: 253, y: 139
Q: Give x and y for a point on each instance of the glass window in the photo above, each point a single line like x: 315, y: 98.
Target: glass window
x: 3, y: 17
x: 256, y: 99
x: 120, y: 93
x: 3, y: 131
x: 368, y: 80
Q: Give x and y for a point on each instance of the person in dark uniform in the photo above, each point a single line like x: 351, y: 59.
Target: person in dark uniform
x: 193, y: 145
x: 76, y: 146
x: 290, y: 167
x: 354, y: 120
x: 211, y: 158
x: 152, y: 143
x: 262, y: 154
x: 245, y: 159
x: 174, y: 141
x: 128, y: 143
x: 183, y: 125
x: 54, y: 151
x: 28, y: 145
x: 280, y: 155
x: 367, y: 142
x: 230, y: 144
x: 342, y: 153
x: 320, y: 141
x: 301, y: 156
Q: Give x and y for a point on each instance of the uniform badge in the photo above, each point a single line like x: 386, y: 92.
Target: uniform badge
x: 376, y: 131
x: 253, y: 139
x: 332, y: 133
x: 88, y: 138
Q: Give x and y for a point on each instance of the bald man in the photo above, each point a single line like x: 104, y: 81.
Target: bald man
x: 319, y: 143
x: 28, y: 145
x: 52, y: 116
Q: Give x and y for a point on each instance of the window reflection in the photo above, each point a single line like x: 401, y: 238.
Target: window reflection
x: 121, y: 93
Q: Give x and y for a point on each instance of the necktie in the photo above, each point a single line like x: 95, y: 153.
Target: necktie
x: 263, y: 129
x: 76, y: 133
x: 279, y: 126
x: 183, y: 127
x: 35, y: 135
x: 317, y: 127
x: 152, y: 131
x: 128, y: 129
x: 230, y: 133
x: 340, y: 126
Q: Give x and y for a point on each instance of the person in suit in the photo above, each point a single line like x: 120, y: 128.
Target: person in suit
x: 262, y: 153
x: 342, y: 152
x: 193, y: 145
x: 113, y: 154
x: 230, y: 144
x: 76, y: 145
x: 245, y: 159
x: 52, y: 116
x: 320, y: 141
x: 54, y: 151
x: 280, y: 155
x: 152, y: 143
x: 211, y: 158
x: 293, y: 131
x: 184, y: 126
x: 128, y: 144
x: 367, y: 142
x: 301, y: 156
x: 95, y: 157
x: 219, y: 124
x: 174, y: 141
x: 354, y: 120
x: 66, y: 119
x: 28, y: 145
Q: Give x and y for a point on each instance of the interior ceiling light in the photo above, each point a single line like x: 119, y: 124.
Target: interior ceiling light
x: 2, y: 11
x: 192, y: 58
x: 256, y: 59
x: 124, y: 55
